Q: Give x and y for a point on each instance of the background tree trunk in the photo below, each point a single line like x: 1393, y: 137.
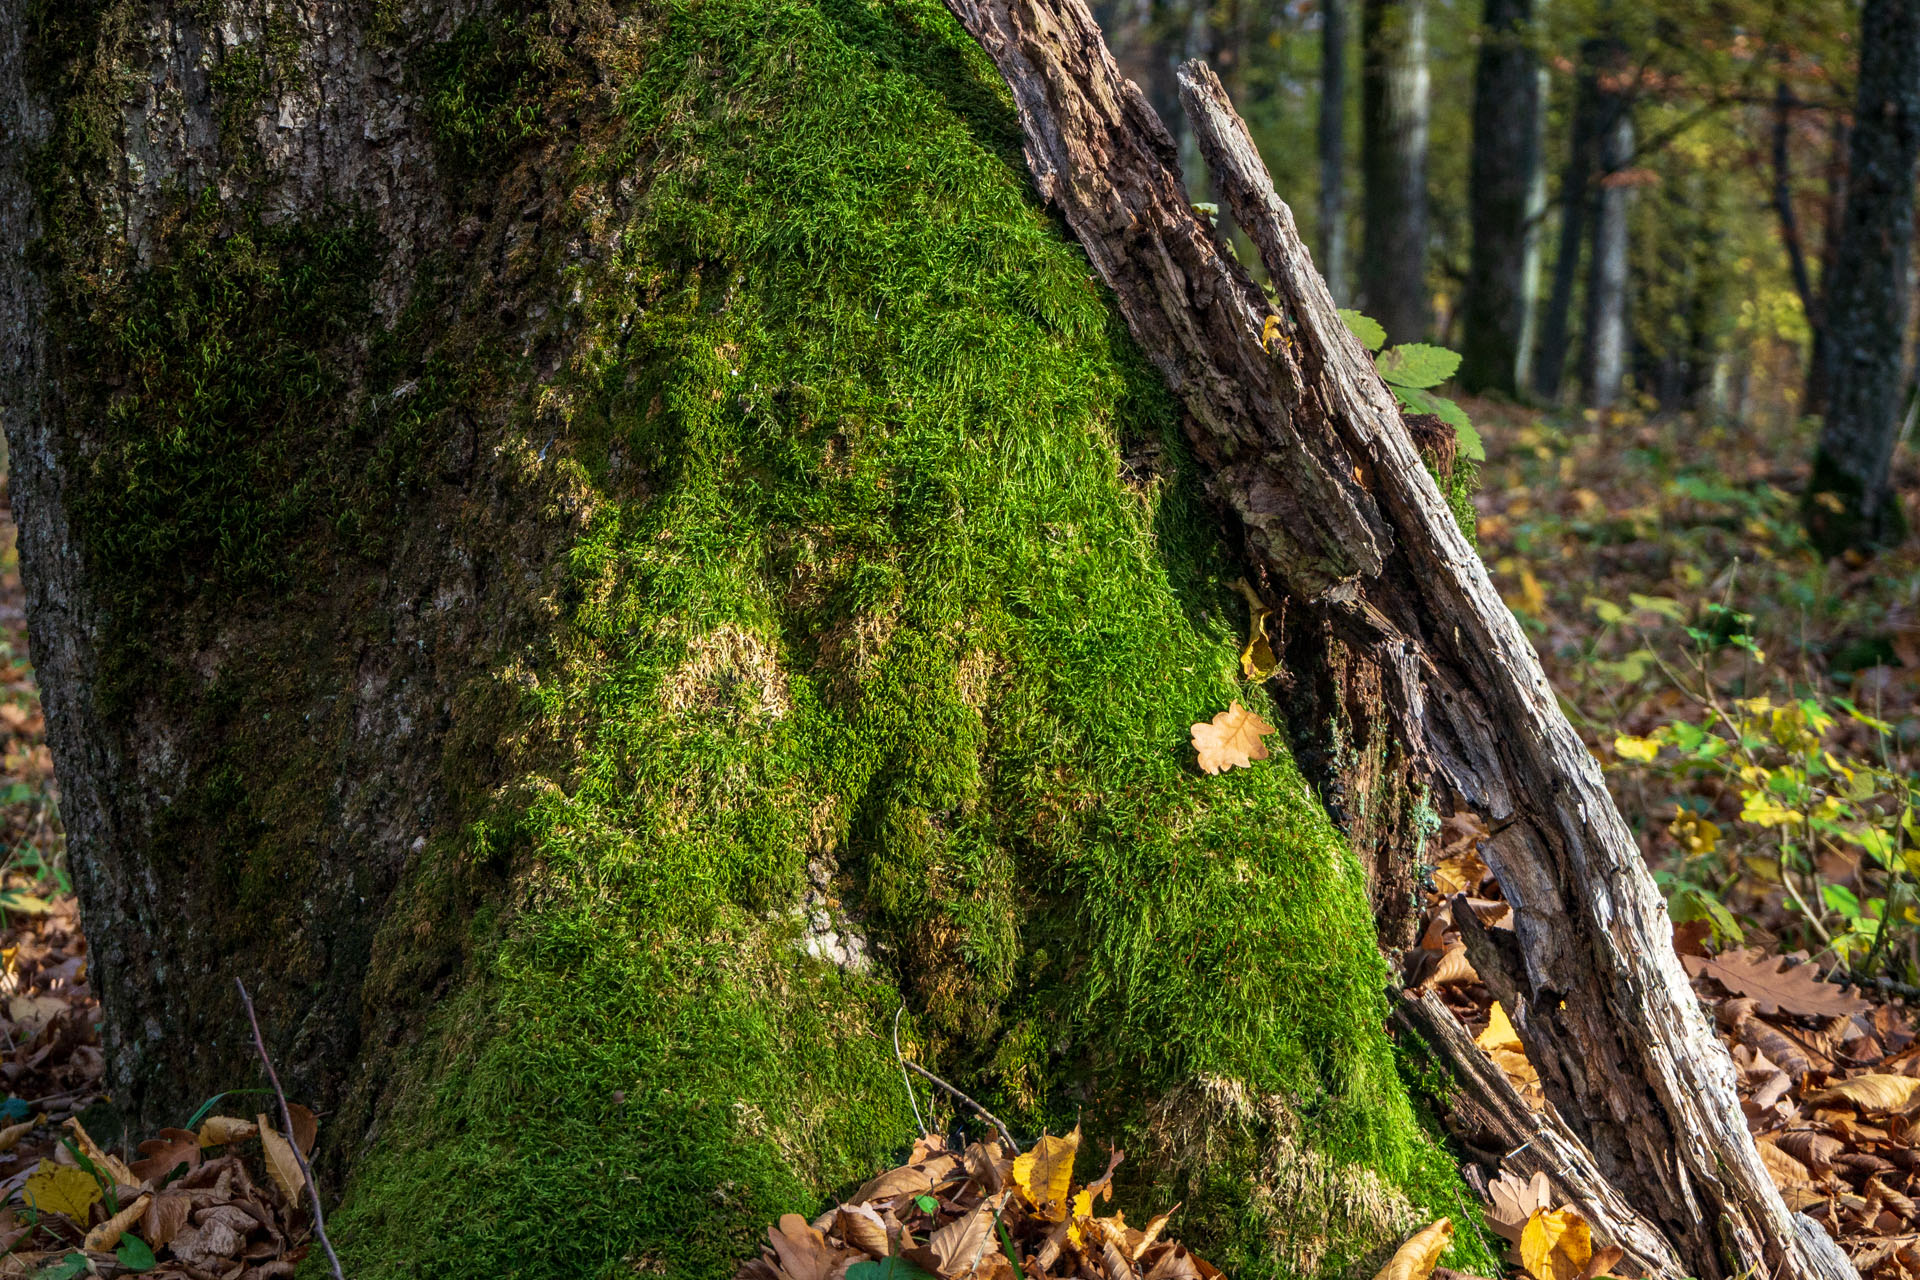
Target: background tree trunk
x: 1394, y: 106
x: 1604, y: 345
x: 1332, y: 139
x: 1849, y: 501
x: 1576, y: 207
x: 589, y: 556
x: 1502, y: 184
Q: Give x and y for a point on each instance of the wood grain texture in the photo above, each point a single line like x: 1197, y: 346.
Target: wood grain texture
x: 1306, y: 444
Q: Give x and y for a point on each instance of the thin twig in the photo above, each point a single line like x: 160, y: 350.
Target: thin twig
x: 905, y: 1079
x: 286, y: 1118
x: 984, y: 1114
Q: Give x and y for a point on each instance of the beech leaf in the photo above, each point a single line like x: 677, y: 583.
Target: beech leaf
x: 1416, y: 1259
x: 282, y: 1163
x: 1556, y: 1244
x: 1231, y: 740
x: 1044, y: 1174
x: 62, y: 1189
x: 1871, y: 1092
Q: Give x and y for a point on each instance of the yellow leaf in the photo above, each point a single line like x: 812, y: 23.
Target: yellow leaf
x: 1230, y: 740
x: 1872, y: 1092
x: 281, y: 1162
x: 1763, y: 810
x: 1267, y: 330
x: 1499, y: 1033
x: 1416, y: 1259
x: 1694, y: 833
x: 1256, y: 660
x: 1556, y: 1244
x: 1628, y: 747
x: 104, y: 1237
x: 63, y: 1189
x: 1045, y: 1172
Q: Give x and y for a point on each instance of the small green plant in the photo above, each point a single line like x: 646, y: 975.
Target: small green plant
x: 1411, y: 370
x: 1821, y: 814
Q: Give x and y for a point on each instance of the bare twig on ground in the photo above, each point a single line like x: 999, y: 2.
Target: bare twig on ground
x: 286, y: 1118
x: 1006, y: 1135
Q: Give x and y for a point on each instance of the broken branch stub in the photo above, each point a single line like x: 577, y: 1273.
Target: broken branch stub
x: 1305, y: 444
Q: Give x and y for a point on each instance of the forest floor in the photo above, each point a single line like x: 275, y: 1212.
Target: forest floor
x: 1757, y: 710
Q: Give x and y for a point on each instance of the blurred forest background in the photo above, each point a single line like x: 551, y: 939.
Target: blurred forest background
x: 1672, y: 243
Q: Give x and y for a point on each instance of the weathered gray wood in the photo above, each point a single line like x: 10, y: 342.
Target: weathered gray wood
x: 1535, y: 1141
x: 1598, y: 995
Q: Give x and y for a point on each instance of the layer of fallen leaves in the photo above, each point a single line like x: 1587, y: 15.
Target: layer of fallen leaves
x: 978, y: 1214
x: 224, y: 1202
x: 1829, y: 1081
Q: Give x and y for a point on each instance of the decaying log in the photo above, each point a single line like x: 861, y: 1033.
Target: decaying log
x: 1534, y: 1141
x: 1305, y: 444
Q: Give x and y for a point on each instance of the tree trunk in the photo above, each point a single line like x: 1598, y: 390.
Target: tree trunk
x: 590, y: 556
x: 1333, y: 146
x: 1304, y: 443
x: 1394, y: 105
x: 1850, y: 502
x: 1836, y: 216
x: 1604, y: 347
x: 1503, y: 175
x: 1576, y: 206
x: 1783, y: 208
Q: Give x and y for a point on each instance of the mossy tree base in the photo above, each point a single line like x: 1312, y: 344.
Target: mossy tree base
x: 721, y: 511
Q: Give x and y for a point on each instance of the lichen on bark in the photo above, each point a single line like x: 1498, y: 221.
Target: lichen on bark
x: 518, y: 600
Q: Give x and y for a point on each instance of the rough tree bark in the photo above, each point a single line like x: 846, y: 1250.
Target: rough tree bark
x: 1603, y: 350
x: 1394, y: 106
x: 1332, y: 140
x: 592, y: 551
x: 1607, y: 1013
x: 1849, y: 500
x: 1503, y: 174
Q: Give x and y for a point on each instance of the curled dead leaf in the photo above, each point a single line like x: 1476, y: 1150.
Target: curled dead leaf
x: 218, y: 1131
x: 1416, y: 1259
x: 105, y: 1236
x: 1870, y: 1092
x: 282, y: 1164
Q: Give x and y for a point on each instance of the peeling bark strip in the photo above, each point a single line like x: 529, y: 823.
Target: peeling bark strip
x: 1309, y: 437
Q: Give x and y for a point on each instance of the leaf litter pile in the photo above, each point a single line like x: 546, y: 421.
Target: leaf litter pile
x: 978, y: 1214
x: 217, y: 1200
x: 1829, y: 1081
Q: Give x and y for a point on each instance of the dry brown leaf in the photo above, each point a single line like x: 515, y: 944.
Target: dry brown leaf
x: 161, y: 1156
x: 1044, y: 1174
x: 1776, y: 984
x: 1231, y: 740
x: 1602, y: 1262
x: 218, y: 1131
x: 1454, y: 969
x: 306, y: 1127
x: 802, y: 1252
x: 1515, y: 1202
x: 166, y: 1217
x: 105, y: 1237
x: 1785, y: 1171
x: 11, y: 1135
x: 862, y: 1228
x: 282, y: 1164
x: 1556, y: 1245
x: 1416, y: 1259
x: 112, y: 1165
x: 1871, y: 1092
x: 1152, y: 1232
x: 955, y: 1249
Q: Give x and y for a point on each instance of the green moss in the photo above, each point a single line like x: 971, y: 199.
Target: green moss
x: 862, y: 595
x: 863, y: 587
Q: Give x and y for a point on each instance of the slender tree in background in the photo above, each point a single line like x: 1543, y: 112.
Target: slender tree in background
x: 1849, y: 502
x: 1504, y: 168
x: 1550, y: 357
x: 1394, y: 116
x: 1333, y: 146
x: 1604, y: 347
x: 1836, y: 216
